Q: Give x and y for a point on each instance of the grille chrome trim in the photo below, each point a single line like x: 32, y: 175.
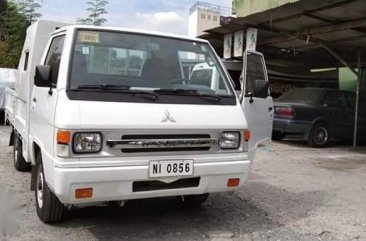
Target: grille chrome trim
x: 162, y: 143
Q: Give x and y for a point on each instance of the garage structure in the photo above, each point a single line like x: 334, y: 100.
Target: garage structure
x: 308, y: 43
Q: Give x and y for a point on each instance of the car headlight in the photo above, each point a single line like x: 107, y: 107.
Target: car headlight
x: 229, y: 140
x: 87, y: 142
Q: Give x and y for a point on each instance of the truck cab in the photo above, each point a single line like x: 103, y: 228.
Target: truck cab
x: 108, y: 115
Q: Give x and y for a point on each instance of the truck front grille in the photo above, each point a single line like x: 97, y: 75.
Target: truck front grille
x: 163, y: 143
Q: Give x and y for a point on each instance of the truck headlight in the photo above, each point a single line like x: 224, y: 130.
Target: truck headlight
x: 87, y: 142
x: 229, y: 140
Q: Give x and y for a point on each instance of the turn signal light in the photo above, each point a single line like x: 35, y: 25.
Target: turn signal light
x: 63, y: 137
x: 83, y: 193
x: 233, y: 182
x: 247, y: 135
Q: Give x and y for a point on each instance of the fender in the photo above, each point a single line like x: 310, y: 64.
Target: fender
x: 316, y: 120
x: 36, y: 143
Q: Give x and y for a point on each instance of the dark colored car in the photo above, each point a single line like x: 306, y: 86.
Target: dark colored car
x: 319, y: 115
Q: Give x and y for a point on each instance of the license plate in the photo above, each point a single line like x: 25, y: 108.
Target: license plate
x: 171, y: 168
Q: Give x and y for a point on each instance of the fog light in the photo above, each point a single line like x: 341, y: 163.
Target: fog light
x: 63, y: 150
x: 83, y: 193
x: 233, y: 182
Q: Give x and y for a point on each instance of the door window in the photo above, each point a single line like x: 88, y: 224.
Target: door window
x: 255, y: 71
x: 54, y: 57
x: 335, y: 100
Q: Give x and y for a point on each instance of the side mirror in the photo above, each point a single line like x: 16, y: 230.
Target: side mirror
x: 42, y: 76
x: 261, y: 88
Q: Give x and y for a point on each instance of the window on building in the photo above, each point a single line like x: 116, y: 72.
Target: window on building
x: 214, y: 18
x: 203, y: 16
x: 209, y: 17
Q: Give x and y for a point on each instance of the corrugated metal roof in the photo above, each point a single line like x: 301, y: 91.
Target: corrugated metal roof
x: 300, y: 27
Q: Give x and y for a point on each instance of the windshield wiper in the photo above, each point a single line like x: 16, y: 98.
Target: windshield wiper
x: 118, y: 89
x: 188, y: 92
x: 176, y: 91
x: 103, y: 87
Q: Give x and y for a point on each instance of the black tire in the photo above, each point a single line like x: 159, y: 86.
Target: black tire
x: 192, y: 200
x: 19, y: 162
x: 49, y: 208
x: 278, y: 136
x: 319, y: 135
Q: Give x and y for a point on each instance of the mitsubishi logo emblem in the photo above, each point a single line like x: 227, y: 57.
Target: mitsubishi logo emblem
x: 167, y: 117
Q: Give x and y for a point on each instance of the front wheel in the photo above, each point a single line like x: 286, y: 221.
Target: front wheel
x: 193, y: 200
x: 319, y: 135
x: 49, y: 208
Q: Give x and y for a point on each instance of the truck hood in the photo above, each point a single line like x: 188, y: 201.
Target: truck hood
x: 119, y: 115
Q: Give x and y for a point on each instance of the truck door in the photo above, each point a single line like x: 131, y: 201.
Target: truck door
x: 43, y: 100
x: 256, y: 102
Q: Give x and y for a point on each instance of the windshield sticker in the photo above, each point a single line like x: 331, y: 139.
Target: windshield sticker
x: 89, y: 37
x: 203, y: 48
x: 85, y: 50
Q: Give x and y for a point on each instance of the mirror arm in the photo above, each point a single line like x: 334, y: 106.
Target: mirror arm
x: 50, y: 91
x: 250, y: 95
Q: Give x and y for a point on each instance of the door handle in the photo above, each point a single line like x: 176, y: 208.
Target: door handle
x: 270, y: 108
x: 34, y: 100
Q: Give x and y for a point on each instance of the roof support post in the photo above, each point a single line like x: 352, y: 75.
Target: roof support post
x: 357, y: 99
x: 358, y: 74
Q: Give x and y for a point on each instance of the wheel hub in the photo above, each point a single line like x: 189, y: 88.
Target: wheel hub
x: 40, y: 189
x: 321, y: 135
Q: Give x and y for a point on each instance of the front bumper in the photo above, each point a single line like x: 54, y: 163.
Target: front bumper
x: 116, y: 183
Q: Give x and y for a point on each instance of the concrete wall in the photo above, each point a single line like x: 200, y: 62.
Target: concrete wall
x: 347, y: 80
x: 243, y: 8
x: 201, y: 20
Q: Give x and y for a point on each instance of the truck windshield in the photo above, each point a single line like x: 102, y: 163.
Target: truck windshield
x: 136, y: 62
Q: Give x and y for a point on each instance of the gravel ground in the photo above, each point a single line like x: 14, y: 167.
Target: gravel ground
x: 294, y: 193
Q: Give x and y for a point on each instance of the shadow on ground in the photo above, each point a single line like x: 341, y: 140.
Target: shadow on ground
x: 165, y: 219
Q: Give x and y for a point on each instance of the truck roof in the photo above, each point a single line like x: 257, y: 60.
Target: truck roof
x: 129, y: 30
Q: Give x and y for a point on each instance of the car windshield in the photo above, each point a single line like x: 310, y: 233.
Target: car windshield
x: 117, y: 60
x: 301, y: 96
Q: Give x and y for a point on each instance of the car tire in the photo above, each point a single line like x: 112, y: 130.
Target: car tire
x: 19, y: 162
x: 278, y: 136
x: 319, y: 135
x: 49, y: 208
x: 193, y: 200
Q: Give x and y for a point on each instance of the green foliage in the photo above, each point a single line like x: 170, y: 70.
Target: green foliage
x: 96, y: 9
x: 29, y: 8
x: 14, y: 32
x: 3, y: 7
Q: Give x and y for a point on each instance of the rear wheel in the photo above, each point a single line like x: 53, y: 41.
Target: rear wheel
x: 49, y: 208
x: 193, y: 200
x: 319, y: 135
x: 19, y: 162
x: 277, y: 136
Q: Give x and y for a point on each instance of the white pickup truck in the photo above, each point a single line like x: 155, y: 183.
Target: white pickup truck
x: 107, y: 115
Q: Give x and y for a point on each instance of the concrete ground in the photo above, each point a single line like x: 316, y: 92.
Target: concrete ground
x: 294, y: 193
